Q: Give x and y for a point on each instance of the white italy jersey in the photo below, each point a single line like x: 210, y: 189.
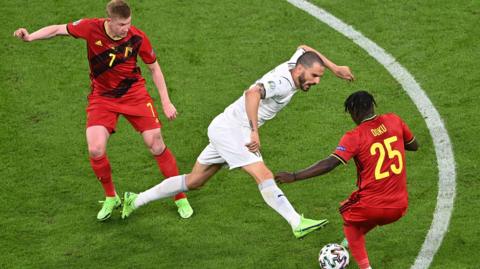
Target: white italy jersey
x: 279, y: 90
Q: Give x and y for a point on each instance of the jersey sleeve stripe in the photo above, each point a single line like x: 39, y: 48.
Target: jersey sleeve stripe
x: 411, y: 141
x: 339, y: 158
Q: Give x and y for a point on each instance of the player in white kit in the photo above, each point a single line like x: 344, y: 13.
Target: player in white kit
x: 235, y: 141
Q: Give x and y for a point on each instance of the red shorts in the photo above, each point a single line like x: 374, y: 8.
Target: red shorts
x: 142, y: 117
x: 371, y: 216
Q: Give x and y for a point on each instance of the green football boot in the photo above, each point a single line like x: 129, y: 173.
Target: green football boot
x: 344, y: 243
x: 109, y: 204
x: 128, y: 205
x: 184, y: 209
x: 307, y: 226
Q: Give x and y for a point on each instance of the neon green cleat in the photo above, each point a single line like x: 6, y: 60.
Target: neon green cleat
x: 128, y: 205
x: 108, y: 205
x: 344, y: 243
x: 184, y: 209
x: 308, y: 225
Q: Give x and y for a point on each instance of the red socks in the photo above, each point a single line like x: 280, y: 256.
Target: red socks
x: 168, y: 166
x: 101, y: 168
x: 355, y: 235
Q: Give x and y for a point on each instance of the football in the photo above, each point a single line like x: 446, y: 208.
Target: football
x: 333, y: 256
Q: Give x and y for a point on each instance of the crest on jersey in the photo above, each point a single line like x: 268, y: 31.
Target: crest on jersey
x: 99, y: 43
x: 341, y: 148
x: 77, y: 22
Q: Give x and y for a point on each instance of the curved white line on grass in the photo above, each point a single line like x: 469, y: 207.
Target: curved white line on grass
x: 441, y: 140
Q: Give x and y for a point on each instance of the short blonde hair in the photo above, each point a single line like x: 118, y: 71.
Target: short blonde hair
x: 118, y: 9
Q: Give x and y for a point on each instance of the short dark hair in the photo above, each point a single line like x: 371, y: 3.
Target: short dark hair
x: 118, y: 9
x: 309, y: 58
x: 359, y: 103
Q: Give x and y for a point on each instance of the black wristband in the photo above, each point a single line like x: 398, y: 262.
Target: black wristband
x: 294, y: 176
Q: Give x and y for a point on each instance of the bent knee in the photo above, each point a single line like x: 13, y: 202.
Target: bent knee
x: 157, y: 149
x: 156, y: 145
x: 96, y: 151
x: 262, y: 175
x: 259, y: 171
x: 268, y: 174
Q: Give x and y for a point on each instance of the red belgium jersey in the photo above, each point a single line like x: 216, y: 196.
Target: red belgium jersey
x: 116, y: 79
x: 377, y: 146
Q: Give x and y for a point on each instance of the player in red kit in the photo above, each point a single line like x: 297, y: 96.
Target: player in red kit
x: 377, y: 146
x: 118, y: 88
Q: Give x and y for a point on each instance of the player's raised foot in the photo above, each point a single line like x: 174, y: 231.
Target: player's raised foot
x: 128, y: 204
x: 307, y: 226
x: 344, y: 243
x: 184, y: 209
x: 109, y: 204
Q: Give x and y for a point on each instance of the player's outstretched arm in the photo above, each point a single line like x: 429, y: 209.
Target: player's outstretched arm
x: 252, y: 102
x: 343, y: 72
x: 168, y: 108
x: 322, y: 167
x: 44, y: 33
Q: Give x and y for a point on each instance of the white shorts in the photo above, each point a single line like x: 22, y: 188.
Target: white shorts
x: 227, y: 144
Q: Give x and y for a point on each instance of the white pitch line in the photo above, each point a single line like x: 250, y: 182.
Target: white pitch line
x: 441, y: 140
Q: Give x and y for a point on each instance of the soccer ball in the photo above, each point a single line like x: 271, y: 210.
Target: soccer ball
x: 333, y: 256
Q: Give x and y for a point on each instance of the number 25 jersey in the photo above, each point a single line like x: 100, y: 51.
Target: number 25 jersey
x: 377, y: 146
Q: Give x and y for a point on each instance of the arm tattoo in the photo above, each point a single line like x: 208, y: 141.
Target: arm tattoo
x: 251, y: 125
x: 262, y: 91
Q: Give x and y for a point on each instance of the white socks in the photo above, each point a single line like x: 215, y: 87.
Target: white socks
x: 275, y: 198
x: 272, y: 195
x: 167, y: 188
